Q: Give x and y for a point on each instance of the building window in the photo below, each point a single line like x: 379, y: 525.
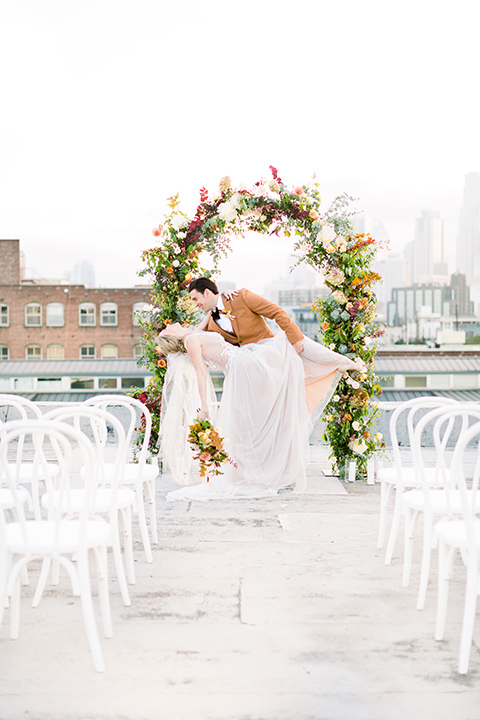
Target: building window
x: 415, y: 381
x: 55, y: 352
x: 33, y: 315
x: 55, y: 315
x: 87, y: 352
x: 109, y: 352
x: 107, y: 383
x: 141, y: 308
x: 137, y: 351
x: 81, y: 384
x: 87, y: 314
x: 108, y: 314
x: 129, y: 382
x: 46, y: 384
x: 33, y: 352
x: 4, y: 354
x: 4, y: 316
x: 386, y: 381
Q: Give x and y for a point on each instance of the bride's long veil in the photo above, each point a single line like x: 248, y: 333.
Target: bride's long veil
x: 180, y: 406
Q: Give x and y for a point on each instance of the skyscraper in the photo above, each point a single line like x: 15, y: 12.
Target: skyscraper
x: 468, y: 246
x: 430, y: 248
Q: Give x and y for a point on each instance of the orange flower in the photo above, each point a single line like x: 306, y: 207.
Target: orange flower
x: 188, y: 277
x: 161, y: 363
x: 313, y: 215
x: 298, y: 191
x: 325, y: 326
x: 366, y: 434
x: 156, y: 232
x: 169, y: 270
x: 168, y: 321
x: 347, y: 417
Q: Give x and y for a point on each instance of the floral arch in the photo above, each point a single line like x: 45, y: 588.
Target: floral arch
x: 325, y: 241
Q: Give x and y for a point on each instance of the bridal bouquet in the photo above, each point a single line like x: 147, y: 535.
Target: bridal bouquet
x: 208, y: 445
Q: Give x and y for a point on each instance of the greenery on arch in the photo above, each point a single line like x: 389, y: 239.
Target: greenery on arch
x: 325, y: 240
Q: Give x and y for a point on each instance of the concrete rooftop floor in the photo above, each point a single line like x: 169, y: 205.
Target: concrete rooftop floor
x: 271, y: 609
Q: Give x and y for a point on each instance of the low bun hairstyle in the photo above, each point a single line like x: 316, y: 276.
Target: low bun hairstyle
x: 168, y: 344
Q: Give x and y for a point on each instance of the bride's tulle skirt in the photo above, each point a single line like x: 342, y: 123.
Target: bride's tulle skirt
x: 265, y: 416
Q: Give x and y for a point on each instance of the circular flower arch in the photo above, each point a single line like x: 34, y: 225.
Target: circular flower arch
x: 325, y: 241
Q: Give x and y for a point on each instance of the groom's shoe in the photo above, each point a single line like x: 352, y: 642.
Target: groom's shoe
x: 287, y: 489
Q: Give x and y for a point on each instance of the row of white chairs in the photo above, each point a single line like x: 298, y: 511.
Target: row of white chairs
x: 71, y: 498
x: 444, y: 492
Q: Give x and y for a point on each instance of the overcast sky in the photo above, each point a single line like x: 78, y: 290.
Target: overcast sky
x: 110, y: 106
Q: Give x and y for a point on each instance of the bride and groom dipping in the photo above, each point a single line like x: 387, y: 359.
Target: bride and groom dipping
x: 275, y: 388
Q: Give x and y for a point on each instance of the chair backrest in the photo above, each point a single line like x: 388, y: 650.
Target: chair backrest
x: 447, y: 424
x: 97, y: 424
x: 468, y: 494
x: 51, y: 440
x: 16, y: 407
x: 413, y: 410
x: 137, y: 414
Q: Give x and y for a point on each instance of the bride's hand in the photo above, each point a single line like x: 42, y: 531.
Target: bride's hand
x: 203, y: 415
x: 230, y: 294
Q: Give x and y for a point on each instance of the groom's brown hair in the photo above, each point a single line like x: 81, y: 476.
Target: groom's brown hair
x: 202, y: 284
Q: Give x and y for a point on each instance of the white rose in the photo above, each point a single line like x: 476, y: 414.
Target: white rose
x: 326, y: 235
x: 358, y: 446
x: 336, y: 398
x: 227, y: 212
x: 356, y: 425
x: 353, y: 383
x: 235, y: 200
x: 175, y: 263
x: 181, y: 235
x: 378, y: 436
x: 367, y: 340
x: 178, y: 221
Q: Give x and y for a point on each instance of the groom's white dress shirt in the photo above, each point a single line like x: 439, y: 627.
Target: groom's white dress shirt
x: 223, y: 321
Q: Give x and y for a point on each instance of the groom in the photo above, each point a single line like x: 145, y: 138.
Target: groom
x: 240, y: 320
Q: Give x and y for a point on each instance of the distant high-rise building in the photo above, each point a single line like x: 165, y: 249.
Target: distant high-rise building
x: 391, y: 268
x: 430, y: 248
x: 468, y: 245
x: 84, y: 274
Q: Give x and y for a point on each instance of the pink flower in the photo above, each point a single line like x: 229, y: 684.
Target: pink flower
x: 156, y: 232
x: 298, y: 191
x: 205, y: 456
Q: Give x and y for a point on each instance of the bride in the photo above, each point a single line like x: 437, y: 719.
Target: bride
x: 265, y: 414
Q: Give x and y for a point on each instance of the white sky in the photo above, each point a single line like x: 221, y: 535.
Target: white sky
x: 110, y: 106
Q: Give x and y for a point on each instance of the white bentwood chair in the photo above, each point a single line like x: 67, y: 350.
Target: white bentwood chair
x: 436, y: 497
x: 16, y: 407
x: 111, y: 499
x: 461, y: 533
x: 397, y: 477
x: 69, y: 530
x: 140, y: 474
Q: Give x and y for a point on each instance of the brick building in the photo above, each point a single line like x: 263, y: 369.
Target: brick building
x: 63, y: 321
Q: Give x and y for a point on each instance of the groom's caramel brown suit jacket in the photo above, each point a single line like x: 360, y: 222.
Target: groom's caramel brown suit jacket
x: 247, y: 311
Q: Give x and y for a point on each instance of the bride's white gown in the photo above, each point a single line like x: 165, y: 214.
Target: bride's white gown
x: 264, y: 415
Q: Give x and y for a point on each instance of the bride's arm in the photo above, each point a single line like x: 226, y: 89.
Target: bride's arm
x: 203, y: 324
x: 194, y: 350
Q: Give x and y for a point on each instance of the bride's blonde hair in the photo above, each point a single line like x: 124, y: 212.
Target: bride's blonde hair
x: 168, y: 344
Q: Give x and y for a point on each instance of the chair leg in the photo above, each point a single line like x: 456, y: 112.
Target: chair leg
x: 446, y: 556
x: 397, y: 513
x: 153, y: 511
x: 103, y: 592
x: 426, y: 557
x: 125, y: 521
x: 42, y: 581
x: 410, y: 523
x: 385, y: 495
x: 15, y: 608
x: 143, y: 526
x: 468, y: 617
x: 88, y: 614
x: 120, y: 570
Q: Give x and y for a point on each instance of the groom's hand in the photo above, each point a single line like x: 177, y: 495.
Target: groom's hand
x: 298, y: 346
